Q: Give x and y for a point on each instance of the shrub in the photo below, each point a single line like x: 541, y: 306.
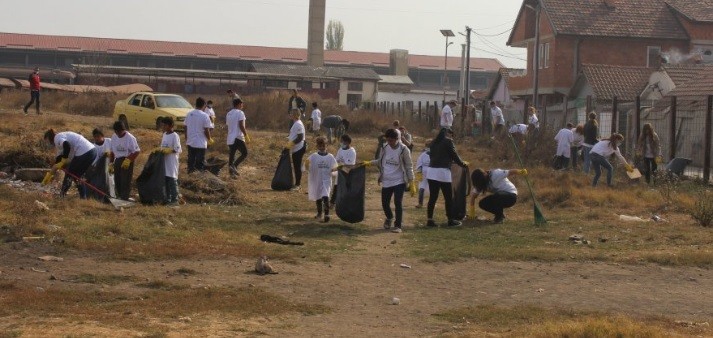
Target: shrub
x: 702, y: 209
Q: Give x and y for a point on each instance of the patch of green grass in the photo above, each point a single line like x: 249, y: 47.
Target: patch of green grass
x: 532, y: 321
x: 101, y: 279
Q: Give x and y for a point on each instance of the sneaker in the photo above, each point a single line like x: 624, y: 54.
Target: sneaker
x: 419, y: 206
x: 326, y: 219
x: 319, y: 215
x: 397, y: 230
x: 387, y: 224
x: 454, y: 223
x: 499, y: 219
x: 296, y: 188
x: 431, y: 223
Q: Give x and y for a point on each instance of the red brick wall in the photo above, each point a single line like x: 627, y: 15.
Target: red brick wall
x: 697, y: 31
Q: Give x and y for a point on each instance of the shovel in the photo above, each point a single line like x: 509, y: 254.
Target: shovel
x: 117, y: 203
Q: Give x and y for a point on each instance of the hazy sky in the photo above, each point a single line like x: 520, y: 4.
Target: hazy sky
x: 370, y: 25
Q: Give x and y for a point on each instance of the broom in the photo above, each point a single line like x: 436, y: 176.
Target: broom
x: 539, y: 218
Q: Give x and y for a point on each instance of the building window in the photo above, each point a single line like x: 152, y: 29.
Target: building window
x: 355, y: 86
x: 653, y: 56
x: 544, y: 54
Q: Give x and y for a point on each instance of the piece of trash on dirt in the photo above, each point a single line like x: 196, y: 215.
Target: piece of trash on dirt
x: 405, y: 266
x: 627, y: 218
x: 52, y: 227
x: 395, y: 301
x: 33, y: 238
x: 185, y: 319
x: 278, y: 240
x: 657, y: 218
x: 50, y: 259
x: 42, y: 206
x: 540, y: 290
x: 576, y: 237
x: 38, y: 270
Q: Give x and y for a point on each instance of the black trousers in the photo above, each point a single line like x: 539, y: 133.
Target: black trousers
x: 434, y: 187
x: 122, y: 179
x: 323, y: 205
x: 238, y: 145
x: 78, y: 167
x: 496, y: 203
x: 34, y: 98
x: 398, y: 193
x: 196, y: 159
x: 297, y: 163
x: 650, y: 168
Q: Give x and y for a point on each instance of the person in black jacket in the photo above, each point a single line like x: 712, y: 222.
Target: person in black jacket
x: 591, y: 137
x: 296, y: 102
x: 443, y: 154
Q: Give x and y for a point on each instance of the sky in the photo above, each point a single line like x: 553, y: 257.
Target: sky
x: 370, y: 25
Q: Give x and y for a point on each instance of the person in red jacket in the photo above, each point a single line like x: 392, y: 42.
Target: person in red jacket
x: 34, y: 91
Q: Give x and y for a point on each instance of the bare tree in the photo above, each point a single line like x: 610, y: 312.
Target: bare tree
x: 335, y: 35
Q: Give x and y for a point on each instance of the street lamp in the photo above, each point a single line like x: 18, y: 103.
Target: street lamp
x: 448, y: 34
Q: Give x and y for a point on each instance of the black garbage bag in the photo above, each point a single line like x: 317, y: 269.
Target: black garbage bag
x: 152, y: 181
x: 350, y: 194
x: 97, y: 176
x: 461, y: 189
x: 283, y: 179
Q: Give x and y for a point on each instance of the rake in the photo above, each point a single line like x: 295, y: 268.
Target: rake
x: 539, y: 217
x: 117, y: 203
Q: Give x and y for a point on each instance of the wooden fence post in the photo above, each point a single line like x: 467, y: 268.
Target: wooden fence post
x: 419, y: 110
x: 614, y: 114
x: 707, y: 147
x: 672, y: 131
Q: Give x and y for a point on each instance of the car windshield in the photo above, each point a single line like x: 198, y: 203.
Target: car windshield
x: 170, y: 101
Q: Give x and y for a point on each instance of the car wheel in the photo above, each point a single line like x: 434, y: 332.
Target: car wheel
x: 123, y: 120
x: 159, y: 124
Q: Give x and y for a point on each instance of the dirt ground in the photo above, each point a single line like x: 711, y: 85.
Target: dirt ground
x: 358, y: 285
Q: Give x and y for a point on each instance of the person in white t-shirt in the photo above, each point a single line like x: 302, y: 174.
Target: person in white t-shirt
x: 503, y: 192
x: 320, y: 166
x: 395, y: 175
x: 237, y: 136
x: 346, y: 157
x: 198, y: 136
x: 297, y: 145
x: 74, y: 152
x: 170, y: 147
x: 124, y: 151
x: 564, y: 140
x: 577, y: 140
x: 497, y: 119
x: 422, y: 165
x: 601, y: 152
x: 96, y: 174
x: 447, y: 114
x: 316, y: 118
x: 532, y: 117
x: 210, y: 112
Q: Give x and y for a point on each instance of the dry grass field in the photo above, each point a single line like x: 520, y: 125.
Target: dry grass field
x: 154, y: 271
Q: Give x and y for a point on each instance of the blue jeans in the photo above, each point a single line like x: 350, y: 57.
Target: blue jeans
x: 171, y: 190
x: 34, y: 98
x: 598, y: 161
x: 397, y: 192
x: 587, y: 161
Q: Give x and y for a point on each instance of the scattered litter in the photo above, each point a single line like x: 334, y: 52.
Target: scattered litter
x: 690, y: 324
x: 53, y: 228
x: 627, y: 218
x: 185, y: 319
x: 540, y: 290
x: 657, y: 218
x: 167, y: 222
x: 50, y: 259
x: 33, y: 238
x: 405, y: 266
x: 395, y: 301
x: 38, y: 270
x: 278, y: 240
x: 576, y: 238
x: 42, y: 206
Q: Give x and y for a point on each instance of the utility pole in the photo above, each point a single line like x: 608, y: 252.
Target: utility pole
x: 536, y: 65
x: 467, y: 66
x: 462, y: 73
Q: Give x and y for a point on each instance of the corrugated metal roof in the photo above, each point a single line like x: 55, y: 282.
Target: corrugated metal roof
x: 205, y: 50
x: 396, y: 79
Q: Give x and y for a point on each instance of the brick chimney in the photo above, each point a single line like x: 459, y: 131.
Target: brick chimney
x: 315, y: 33
x: 398, y: 62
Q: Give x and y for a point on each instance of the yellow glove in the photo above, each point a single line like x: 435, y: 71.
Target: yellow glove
x: 466, y: 163
x: 471, y: 211
x: 61, y: 164
x: 523, y: 172
x: 126, y: 163
x: 419, y: 177
x: 211, y: 142
x: 107, y: 153
x: 628, y: 167
x: 366, y: 163
x: 111, y: 169
x: 156, y: 150
x: 289, y: 145
x: 247, y: 138
x: 166, y: 150
x: 412, y: 188
x: 659, y: 159
x: 48, y: 178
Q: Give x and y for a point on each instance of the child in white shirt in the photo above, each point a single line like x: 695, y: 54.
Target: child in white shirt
x: 346, y: 156
x: 422, y: 164
x: 320, y: 166
x: 316, y: 118
x: 170, y: 147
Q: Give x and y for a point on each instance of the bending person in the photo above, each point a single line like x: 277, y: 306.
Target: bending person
x: 74, y: 152
x: 599, y: 154
x: 443, y: 154
x: 503, y: 192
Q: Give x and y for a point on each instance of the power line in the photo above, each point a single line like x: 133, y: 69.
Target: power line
x: 497, y: 49
x: 497, y: 26
x: 493, y: 35
x: 498, y: 54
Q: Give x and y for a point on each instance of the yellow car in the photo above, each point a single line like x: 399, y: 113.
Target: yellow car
x: 145, y: 109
